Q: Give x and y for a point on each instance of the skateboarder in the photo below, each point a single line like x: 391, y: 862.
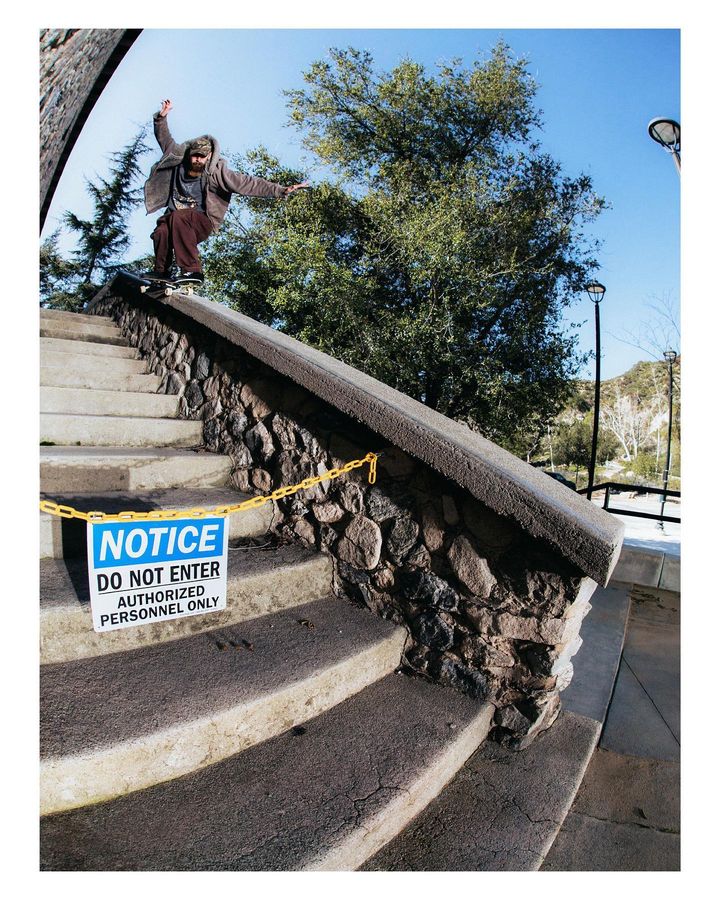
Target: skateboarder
x: 194, y: 184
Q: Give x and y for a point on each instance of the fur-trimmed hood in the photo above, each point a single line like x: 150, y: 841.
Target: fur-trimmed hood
x: 177, y: 154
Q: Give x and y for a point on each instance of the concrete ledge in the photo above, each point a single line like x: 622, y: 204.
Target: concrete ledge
x: 648, y: 567
x: 581, y: 532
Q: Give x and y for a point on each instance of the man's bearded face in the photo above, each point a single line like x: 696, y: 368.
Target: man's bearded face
x: 196, y: 163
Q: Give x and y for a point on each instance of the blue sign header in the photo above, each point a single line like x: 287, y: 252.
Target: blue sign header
x: 140, y: 542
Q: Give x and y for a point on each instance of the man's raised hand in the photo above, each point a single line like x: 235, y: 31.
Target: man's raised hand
x: 296, y: 187
x: 165, y: 107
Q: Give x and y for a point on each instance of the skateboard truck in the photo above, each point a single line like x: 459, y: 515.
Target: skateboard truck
x: 161, y: 287
x: 158, y: 288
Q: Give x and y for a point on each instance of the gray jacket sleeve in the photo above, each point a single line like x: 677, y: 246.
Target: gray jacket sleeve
x: 247, y: 185
x: 163, y: 136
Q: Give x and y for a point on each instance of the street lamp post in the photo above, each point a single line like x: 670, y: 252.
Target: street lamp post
x: 596, y: 292
x: 670, y: 357
x: 666, y: 132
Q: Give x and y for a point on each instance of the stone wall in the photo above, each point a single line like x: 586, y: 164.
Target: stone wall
x: 490, y: 610
x: 75, y: 65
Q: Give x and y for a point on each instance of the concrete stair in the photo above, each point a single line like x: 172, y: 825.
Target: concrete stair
x: 73, y: 401
x: 77, y: 346
x: 503, y: 810
x: 323, y: 796
x: 118, y: 431
x: 101, y: 334
x: 273, y: 734
x: 185, y: 705
x: 260, y: 582
x: 60, y: 538
x: 57, y: 376
x: 84, y: 365
x: 81, y: 406
x: 66, y: 326
x: 77, y: 469
x: 72, y: 319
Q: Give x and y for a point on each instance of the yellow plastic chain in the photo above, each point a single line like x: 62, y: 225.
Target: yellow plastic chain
x: 68, y: 512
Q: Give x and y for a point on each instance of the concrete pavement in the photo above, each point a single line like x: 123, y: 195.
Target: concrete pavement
x: 626, y: 816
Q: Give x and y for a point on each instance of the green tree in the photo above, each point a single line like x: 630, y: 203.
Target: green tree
x: 442, y: 258
x: 58, y: 276
x: 644, y: 468
x: 101, y: 240
x: 572, y: 444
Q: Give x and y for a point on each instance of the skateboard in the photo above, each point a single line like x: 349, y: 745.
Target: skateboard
x: 161, y: 288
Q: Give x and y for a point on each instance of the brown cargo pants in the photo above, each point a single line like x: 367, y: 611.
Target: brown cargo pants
x: 180, y: 232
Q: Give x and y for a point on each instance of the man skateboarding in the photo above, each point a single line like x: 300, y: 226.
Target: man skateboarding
x: 194, y: 184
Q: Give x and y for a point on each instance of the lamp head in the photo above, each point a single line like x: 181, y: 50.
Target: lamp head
x: 596, y: 291
x: 666, y: 132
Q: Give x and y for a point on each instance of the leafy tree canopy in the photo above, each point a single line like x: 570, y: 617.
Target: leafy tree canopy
x: 442, y: 256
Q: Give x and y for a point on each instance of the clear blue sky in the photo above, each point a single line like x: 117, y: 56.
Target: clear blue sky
x: 599, y: 88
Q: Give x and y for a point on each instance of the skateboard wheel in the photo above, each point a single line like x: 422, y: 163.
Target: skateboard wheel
x: 168, y: 291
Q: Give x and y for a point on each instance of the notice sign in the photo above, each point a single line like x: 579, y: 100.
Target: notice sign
x: 144, y: 571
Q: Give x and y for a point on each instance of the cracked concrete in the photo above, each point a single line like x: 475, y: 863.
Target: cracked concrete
x: 589, y: 844
x: 503, y: 809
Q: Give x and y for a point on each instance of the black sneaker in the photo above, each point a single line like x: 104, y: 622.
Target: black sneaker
x: 154, y: 275
x: 189, y: 278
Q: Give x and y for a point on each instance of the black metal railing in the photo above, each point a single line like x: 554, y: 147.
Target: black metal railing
x: 608, y: 486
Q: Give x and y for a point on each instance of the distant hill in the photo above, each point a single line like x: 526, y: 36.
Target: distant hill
x: 633, y: 419
x: 644, y: 382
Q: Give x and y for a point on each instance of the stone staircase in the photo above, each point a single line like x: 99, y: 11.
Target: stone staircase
x: 274, y: 735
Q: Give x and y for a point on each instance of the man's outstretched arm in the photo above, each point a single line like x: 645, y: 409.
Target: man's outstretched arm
x: 253, y: 186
